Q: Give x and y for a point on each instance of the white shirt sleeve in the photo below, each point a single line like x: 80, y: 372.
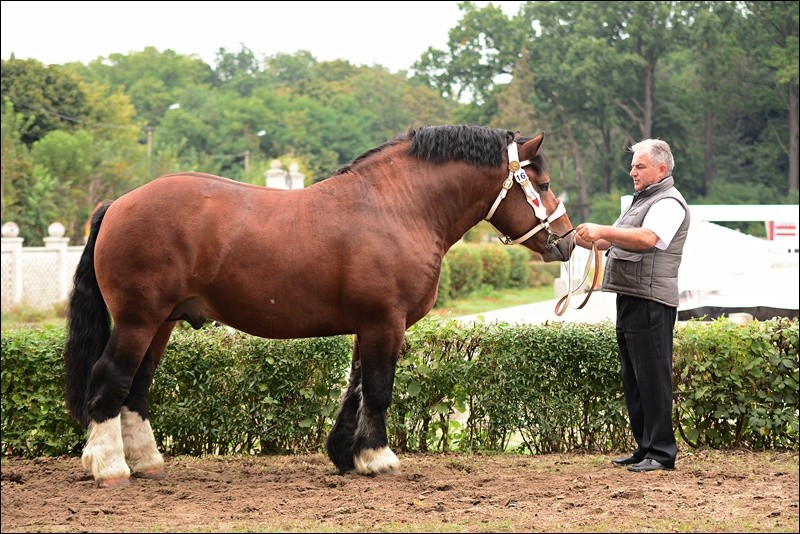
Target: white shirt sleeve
x: 663, y: 219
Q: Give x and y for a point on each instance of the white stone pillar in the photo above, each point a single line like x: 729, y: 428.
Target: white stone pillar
x: 12, y: 243
x: 296, y: 178
x: 276, y: 176
x: 56, y: 241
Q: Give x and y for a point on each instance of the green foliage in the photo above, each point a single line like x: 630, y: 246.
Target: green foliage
x: 471, y: 267
x: 543, y: 274
x: 737, y: 385
x: 519, y: 273
x: 38, y: 208
x: 604, y: 209
x: 721, y: 105
x: 44, y: 94
x: 219, y: 392
x: 34, y: 418
x: 556, y: 386
x: 443, y: 290
x: 466, y: 270
x: 534, y: 388
x: 628, y: 70
x: 429, y: 385
x: 17, y: 164
x: 496, y: 266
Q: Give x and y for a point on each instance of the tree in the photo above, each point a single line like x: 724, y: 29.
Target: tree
x: 16, y: 161
x: 775, y: 46
x: 152, y: 80
x: 483, y: 45
x: 51, y: 95
x: 230, y: 66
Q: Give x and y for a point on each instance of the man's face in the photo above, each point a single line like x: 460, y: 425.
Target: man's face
x: 644, y: 173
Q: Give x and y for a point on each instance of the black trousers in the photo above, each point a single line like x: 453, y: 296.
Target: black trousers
x: 644, y: 335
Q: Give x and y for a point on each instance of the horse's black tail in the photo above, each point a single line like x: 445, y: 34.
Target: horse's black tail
x: 88, y: 325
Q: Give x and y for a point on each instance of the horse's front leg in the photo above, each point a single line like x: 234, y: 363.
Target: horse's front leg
x: 358, y: 439
x: 379, y: 351
x: 340, y: 440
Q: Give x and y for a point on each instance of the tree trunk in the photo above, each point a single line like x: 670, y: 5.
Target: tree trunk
x: 580, y: 182
x: 649, y: 91
x: 794, y: 118
x: 708, y: 155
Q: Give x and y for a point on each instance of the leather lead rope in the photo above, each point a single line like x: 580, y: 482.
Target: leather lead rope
x: 563, y: 302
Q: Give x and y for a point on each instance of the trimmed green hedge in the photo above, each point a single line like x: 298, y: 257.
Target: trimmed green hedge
x: 534, y: 388
x: 34, y: 417
x: 467, y: 267
x: 220, y: 391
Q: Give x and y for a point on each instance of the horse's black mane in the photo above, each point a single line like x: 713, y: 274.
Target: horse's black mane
x: 476, y: 145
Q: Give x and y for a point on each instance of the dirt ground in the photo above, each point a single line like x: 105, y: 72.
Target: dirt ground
x: 710, y: 491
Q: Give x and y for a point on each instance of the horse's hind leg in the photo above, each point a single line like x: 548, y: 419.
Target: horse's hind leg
x: 111, y: 380
x: 141, y: 451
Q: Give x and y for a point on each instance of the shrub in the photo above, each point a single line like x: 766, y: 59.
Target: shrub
x: 520, y: 271
x: 554, y: 387
x: 543, y: 274
x: 466, y: 270
x: 496, y: 265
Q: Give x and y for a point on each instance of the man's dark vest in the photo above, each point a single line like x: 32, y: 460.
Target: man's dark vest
x: 652, y: 273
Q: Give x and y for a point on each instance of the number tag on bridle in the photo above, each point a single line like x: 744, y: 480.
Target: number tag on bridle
x: 531, y: 195
x: 515, y: 168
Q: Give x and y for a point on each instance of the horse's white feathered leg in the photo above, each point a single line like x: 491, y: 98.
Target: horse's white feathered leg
x: 373, y: 461
x: 104, y: 455
x: 141, y: 451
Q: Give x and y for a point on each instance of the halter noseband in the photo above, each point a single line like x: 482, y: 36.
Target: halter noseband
x: 516, y: 173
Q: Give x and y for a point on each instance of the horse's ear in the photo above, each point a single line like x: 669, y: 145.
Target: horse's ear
x: 531, y: 148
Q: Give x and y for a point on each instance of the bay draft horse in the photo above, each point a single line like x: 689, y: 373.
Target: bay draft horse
x: 358, y: 253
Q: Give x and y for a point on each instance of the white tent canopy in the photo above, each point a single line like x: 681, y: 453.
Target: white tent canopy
x: 723, y: 268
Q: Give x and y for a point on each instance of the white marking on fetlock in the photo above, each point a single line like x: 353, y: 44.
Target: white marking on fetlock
x: 104, y: 455
x: 139, y: 443
x: 371, y: 461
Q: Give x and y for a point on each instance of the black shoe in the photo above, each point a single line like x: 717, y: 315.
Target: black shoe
x: 648, y: 464
x: 627, y: 460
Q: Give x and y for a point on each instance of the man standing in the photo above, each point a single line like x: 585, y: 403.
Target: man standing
x: 644, y: 253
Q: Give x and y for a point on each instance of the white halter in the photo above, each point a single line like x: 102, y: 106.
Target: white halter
x: 517, y: 173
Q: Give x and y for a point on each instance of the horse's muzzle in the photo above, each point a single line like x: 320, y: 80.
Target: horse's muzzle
x: 554, y: 240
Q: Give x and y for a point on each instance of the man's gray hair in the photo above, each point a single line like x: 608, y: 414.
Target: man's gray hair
x: 658, y: 151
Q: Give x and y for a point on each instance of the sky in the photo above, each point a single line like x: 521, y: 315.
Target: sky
x: 391, y: 34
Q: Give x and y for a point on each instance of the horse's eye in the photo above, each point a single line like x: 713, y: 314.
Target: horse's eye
x: 544, y: 187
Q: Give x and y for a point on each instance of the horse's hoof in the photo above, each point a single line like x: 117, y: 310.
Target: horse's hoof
x: 113, y: 483
x: 151, y: 474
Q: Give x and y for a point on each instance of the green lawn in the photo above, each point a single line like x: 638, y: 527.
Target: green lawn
x: 488, y: 299
x: 484, y: 300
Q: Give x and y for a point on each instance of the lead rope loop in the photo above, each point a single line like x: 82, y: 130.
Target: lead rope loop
x: 563, y: 302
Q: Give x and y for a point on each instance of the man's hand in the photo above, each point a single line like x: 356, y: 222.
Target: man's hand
x: 590, y: 232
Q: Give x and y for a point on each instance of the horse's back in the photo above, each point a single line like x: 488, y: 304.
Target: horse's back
x: 183, y: 200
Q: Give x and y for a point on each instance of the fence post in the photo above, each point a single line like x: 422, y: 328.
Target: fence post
x: 12, y: 245
x: 58, y: 242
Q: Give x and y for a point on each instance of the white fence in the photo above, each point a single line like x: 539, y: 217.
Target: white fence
x: 37, y: 277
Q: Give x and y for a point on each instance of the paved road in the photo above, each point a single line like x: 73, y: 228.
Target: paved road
x: 601, y: 307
